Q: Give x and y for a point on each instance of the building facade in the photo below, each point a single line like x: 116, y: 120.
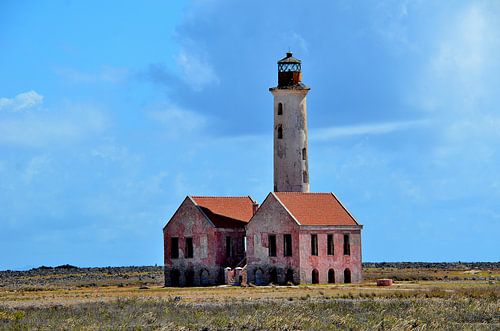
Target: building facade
x: 205, y: 235
x: 297, y: 237
x: 294, y: 237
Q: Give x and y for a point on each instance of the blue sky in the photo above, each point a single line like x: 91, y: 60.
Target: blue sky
x: 111, y: 113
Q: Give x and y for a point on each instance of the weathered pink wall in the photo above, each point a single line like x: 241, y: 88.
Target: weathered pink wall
x: 323, y: 262
x: 272, y: 218
x: 209, y: 251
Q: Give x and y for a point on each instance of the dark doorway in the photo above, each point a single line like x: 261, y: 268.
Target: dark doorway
x: 189, y: 277
x: 347, y: 276
x: 273, y: 276
x: 331, y: 276
x: 175, y: 276
x: 289, y: 276
x: 315, y: 276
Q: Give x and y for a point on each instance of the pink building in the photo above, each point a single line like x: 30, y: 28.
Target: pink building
x: 295, y: 236
x: 205, y: 235
x: 303, y: 238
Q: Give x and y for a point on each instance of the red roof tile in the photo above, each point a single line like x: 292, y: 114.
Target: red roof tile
x: 226, y: 212
x: 316, y: 208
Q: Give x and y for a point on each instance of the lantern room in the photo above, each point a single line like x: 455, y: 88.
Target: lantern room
x: 289, y: 71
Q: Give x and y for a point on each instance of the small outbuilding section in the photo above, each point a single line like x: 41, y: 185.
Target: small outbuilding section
x: 205, y: 235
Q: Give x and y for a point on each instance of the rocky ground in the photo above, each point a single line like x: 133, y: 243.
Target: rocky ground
x: 71, y: 277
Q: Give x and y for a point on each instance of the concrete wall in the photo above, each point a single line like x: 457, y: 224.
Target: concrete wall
x: 289, y: 165
x: 323, y: 262
x: 209, y: 253
x: 271, y: 218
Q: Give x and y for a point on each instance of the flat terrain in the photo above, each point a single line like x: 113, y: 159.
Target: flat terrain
x: 425, y: 296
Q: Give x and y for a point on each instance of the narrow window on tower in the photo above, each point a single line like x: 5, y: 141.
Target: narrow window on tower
x: 314, y: 244
x: 280, y: 108
x: 280, y: 132
x: 305, y: 177
x: 304, y: 154
x: 174, y: 248
x: 272, y: 245
x: 330, y: 247
x: 189, y: 248
x: 347, y: 245
x: 287, y: 245
x: 229, y: 251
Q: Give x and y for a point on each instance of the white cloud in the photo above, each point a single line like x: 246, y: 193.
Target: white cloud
x: 21, y: 102
x: 106, y: 74
x: 197, y: 72
x: 178, y: 121
x: 36, y: 166
x: 464, y: 70
x: 71, y: 123
x: 365, y: 129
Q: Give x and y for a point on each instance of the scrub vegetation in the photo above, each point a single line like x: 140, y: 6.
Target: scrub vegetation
x: 457, y: 298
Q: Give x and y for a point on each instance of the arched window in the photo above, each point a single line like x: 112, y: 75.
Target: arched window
x: 304, y: 154
x: 259, y: 277
x: 204, y: 277
x: 280, y: 108
x: 280, y: 132
x: 315, y: 276
x: 331, y: 276
x: 305, y: 177
x: 347, y: 276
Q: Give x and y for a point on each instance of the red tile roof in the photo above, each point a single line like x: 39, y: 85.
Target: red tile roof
x: 316, y: 208
x: 226, y: 212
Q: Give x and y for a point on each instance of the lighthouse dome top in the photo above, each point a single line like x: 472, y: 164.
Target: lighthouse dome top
x: 289, y: 63
x: 289, y: 74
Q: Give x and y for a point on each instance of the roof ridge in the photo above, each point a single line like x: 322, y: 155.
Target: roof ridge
x: 220, y: 196
x: 303, y: 192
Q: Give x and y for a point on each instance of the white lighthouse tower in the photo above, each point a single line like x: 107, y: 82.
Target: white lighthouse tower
x: 291, y: 173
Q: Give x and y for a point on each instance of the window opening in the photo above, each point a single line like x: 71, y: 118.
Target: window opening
x: 189, y: 248
x: 175, y: 276
x: 280, y: 132
x: 304, y: 154
x: 331, y: 276
x: 347, y: 245
x: 189, y: 274
x: 315, y: 276
x: 272, y: 245
x: 330, y: 247
x: 314, y: 244
x: 287, y: 245
x: 229, y: 251
x: 347, y: 276
x: 174, y: 248
x: 280, y: 108
x: 273, y: 276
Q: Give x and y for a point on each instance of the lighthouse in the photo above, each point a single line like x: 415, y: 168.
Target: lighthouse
x: 291, y: 173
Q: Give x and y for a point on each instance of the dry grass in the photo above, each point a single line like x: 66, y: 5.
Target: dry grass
x: 415, y: 304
